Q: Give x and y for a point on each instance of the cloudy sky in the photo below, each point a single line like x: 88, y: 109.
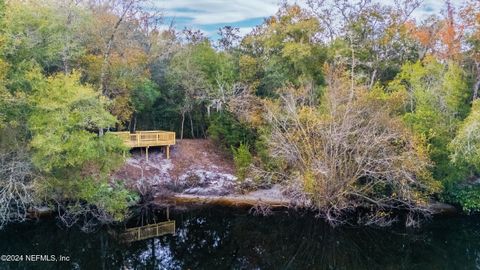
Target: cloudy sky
x: 209, y: 15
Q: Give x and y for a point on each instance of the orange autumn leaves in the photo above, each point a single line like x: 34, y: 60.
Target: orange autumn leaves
x: 444, y: 37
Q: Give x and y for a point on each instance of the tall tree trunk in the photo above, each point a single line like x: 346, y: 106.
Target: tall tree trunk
x: 353, y: 74
x: 135, y: 122
x: 66, y: 66
x: 476, y: 86
x: 183, y: 122
x: 372, y: 79
x: 191, y: 124
x: 67, y: 40
x: 103, y: 72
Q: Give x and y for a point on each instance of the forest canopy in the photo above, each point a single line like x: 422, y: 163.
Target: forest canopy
x: 349, y: 105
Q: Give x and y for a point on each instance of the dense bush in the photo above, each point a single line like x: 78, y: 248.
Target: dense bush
x: 467, y: 197
x: 242, y: 158
x: 353, y: 152
x: 231, y: 133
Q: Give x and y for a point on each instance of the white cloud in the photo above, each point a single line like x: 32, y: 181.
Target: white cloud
x: 245, y: 30
x: 229, y: 11
x: 218, y: 11
x: 201, y: 13
x: 428, y: 7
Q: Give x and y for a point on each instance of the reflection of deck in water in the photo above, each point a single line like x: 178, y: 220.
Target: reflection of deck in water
x: 148, y: 231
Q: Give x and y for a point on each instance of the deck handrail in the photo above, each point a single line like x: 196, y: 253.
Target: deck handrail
x: 148, y: 138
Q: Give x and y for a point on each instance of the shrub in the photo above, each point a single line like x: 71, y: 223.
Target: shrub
x: 227, y: 130
x: 242, y: 158
x: 467, y: 197
x: 353, y: 152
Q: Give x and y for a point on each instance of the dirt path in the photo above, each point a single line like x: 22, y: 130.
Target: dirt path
x: 194, y: 167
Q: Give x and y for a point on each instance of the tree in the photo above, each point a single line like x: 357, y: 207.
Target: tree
x: 74, y: 160
x: 442, y: 36
x: 465, y: 146
x: 350, y: 154
x: 120, y: 44
x: 471, y: 22
x: 43, y: 32
x: 218, y: 70
x: 465, y: 155
x: 436, y: 105
x: 193, y: 36
x: 116, y: 13
x: 185, y: 76
x: 16, y: 170
x: 371, y: 38
x: 229, y: 37
x: 285, y: 50
x: 143, y: 98
x: 64, y: 115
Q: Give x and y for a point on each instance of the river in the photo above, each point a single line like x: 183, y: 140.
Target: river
x: 224, y: 238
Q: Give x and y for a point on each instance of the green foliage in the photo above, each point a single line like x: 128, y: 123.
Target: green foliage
x: 465, y: 147
x: 64, y: 115
x: 199, y: 77
x: 230, y: 132
x: 468, y: 197
x: 217, y: 67
x: 285, y: 52
x: 38, y: 31
x: 115, y: 199
x: 242, y: 158
x: 262, y: 151
x: 351, y: 153
x: 68, y: 152
x: 111, y: 199
x: 145, y: 95
x: 436, y: 107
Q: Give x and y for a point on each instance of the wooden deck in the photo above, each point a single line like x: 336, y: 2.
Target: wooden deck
x: 148, y: 139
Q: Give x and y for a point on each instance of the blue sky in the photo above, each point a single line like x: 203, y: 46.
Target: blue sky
x: 209, y: 15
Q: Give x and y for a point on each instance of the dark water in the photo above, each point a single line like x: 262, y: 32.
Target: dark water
x: 218, y: 238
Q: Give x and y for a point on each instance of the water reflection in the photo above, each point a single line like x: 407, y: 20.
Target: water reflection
x: 229, y: 239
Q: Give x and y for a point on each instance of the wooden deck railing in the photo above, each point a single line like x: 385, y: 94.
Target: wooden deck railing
x: 147, y: 139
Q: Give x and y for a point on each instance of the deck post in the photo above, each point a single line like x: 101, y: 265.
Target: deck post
x: 168, y: 151
x: 146, y: 152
